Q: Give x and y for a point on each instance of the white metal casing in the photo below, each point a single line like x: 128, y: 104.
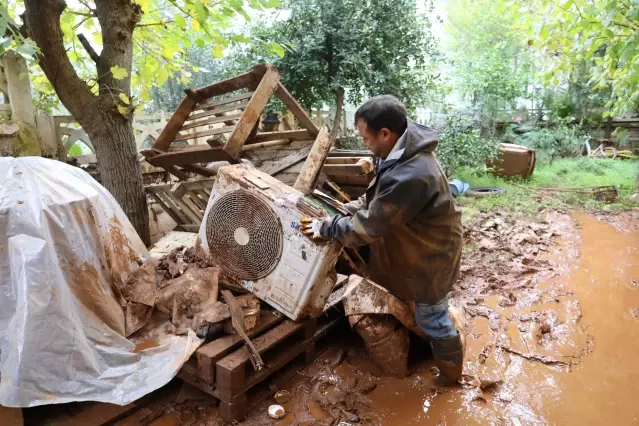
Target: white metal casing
x: 304, y: 277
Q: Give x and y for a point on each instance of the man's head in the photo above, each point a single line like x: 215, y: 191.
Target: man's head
x: 381, y: 121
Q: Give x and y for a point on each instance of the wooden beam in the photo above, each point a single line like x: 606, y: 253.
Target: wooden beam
x: 307, y: 179
x: 231, y: 84
x: 299, y: 113
x: 174, y: 124
x: 218, y: 131
x: 215, y: 104
x: 218, y: 112
x: 189, y: 157
x: 252, y: 113
x: 344, y: 169
x: 293, y: 135
x: 270, y: 144
x: 199, y: 170
x: 286, y: 162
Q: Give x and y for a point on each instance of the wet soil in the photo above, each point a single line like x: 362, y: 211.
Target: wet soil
x: 554, y: 345
x: 552, y: 311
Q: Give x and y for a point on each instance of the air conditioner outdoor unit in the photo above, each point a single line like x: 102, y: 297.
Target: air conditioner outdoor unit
x: 251, y: 229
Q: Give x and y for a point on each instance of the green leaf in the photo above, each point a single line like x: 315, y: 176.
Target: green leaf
x: 179, y: 20
x: 118, y: 72
x: 28, y: 49
x: 162, y: 76
x: 277, y: 49
x: 124, y: 98
x: 123, y: 110
x: 218, y: 50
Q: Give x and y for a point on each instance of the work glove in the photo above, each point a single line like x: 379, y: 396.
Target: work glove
x: 311, y: 228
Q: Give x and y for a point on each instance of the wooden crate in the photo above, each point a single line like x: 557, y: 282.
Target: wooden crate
x: 222, y: 367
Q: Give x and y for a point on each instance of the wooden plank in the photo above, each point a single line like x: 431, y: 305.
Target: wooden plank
x: 174, y: 124
x: 262, y: 145
x: 299, y: 113
x: 344, y: 160
x: 231, y: 370
x: 210, y: 353
x: 180, y: 217
x: 233, y: 83
x: 285, y: 163
x: 215, y: 104
x: 154, y: 188
x: 217, y: 119
x: 307, y: 179
x: 252, y: 112
x: 194, y: 168
x: 180, y: 189
x: 344, y: 170
x: 218, y: 112
x: 218, y: 131
x: 293, y: 135
x: 203, y: 155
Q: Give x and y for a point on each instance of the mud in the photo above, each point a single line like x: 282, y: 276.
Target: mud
x: 552, y: 336
x: 551, y: 310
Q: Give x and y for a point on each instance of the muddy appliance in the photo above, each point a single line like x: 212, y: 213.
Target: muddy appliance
x: 251, y: 229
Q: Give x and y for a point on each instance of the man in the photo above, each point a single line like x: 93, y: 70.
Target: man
x: 410, y: 223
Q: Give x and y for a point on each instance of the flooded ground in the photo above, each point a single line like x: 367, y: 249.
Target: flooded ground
x: 552, y: 309
x: 556, y: 347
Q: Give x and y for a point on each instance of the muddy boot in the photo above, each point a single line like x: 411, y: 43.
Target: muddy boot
x: 448, y: 353
x: 387, y: 343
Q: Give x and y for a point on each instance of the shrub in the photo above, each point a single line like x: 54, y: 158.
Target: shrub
x: 460, y: 144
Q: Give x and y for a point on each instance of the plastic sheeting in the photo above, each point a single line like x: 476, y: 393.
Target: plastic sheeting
x: 66, y: 250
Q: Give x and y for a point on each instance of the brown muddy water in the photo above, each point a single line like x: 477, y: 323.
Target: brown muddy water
x: 557, y: 347
x: 565, y: 351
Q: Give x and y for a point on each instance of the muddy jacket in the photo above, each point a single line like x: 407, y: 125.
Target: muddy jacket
x: 409, y: 220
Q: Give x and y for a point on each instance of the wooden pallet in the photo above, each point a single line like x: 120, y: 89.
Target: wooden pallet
x: 222, y: 367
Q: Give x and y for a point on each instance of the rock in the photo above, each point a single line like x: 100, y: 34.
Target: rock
x: 634, y: 197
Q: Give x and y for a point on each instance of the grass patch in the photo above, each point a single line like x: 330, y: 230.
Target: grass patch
x: 563, y: 173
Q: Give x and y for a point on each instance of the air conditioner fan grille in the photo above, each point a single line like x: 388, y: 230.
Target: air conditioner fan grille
x: 244, y: 235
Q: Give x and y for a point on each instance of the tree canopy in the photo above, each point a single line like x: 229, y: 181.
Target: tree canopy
x: 603, y: 33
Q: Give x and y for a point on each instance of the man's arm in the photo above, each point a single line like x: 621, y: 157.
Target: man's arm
x: 403, y: 193
x: 356, y: 205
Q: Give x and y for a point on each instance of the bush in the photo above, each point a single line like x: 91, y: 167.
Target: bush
x: 460, y: 145
x: 564, y: 140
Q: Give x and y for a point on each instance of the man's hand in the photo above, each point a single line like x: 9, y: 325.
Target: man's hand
x: 311, y: 228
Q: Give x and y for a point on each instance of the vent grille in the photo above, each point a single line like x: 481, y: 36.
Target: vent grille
x: 244, y: 235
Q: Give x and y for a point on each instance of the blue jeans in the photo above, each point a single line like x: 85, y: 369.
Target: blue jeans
x: 434, y: 319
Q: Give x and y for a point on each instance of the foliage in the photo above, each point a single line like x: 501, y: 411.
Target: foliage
x: 604, y: 33
x: 490, y: 62
x: 562, y: 140
x: 369, y: 48
x: 167, y: 29
x: 562, y: 173
x: 460, y: 144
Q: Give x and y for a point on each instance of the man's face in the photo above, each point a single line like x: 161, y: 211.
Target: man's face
x: 380, y: 143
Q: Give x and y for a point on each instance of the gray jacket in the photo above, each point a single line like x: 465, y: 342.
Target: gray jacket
x: 409, y: 220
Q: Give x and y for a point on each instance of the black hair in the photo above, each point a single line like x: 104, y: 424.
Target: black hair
x: 385, y: 111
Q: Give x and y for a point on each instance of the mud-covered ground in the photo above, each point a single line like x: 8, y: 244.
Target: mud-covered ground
x: 552, y: 310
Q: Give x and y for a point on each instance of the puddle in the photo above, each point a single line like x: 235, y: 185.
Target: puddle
x: 562, y: 350
x: 146, y: 344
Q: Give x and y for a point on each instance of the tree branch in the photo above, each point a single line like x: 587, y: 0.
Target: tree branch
x: 163, y: 23
x: 42, y: 23
x: 87, y: 46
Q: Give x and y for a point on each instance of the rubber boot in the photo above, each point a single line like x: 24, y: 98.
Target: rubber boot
x: 448, y: 353
x: 387, y: 342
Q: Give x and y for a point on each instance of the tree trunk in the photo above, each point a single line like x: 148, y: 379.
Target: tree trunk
x: 110, y: 132
x: 119, y: 168
x: 338, y: 112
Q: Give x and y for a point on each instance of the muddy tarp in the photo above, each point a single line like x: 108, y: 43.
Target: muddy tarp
x: 66, y: 251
